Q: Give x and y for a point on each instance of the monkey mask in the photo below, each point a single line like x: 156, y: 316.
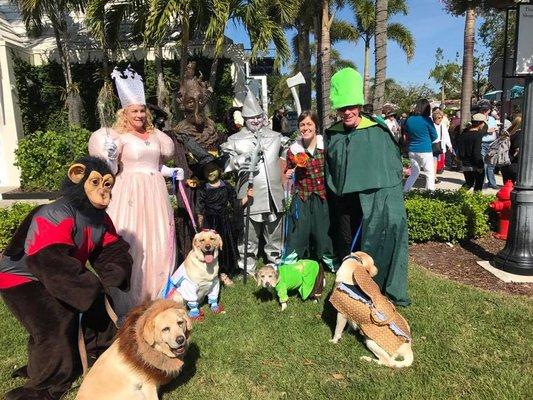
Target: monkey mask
x: 97, y: 187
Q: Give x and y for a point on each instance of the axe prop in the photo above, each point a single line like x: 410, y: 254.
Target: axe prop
x: 292, y: 82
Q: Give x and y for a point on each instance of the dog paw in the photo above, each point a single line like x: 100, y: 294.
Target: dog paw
x: 283, y: 306
x: 334, y: 340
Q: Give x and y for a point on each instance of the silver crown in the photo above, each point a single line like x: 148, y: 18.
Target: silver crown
x: 130, y: 86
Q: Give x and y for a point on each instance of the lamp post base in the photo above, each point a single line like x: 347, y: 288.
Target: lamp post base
x: 517, y: 255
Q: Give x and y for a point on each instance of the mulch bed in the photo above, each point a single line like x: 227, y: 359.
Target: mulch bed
x: 459, y: 262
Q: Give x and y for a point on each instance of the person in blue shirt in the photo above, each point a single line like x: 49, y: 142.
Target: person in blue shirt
x: 421, y: 133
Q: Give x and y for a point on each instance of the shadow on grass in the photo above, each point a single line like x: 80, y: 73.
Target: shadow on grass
x: 188, y: 371
x: 264, y: 295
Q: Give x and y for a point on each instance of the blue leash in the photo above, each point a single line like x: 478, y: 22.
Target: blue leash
x: 356, y: 236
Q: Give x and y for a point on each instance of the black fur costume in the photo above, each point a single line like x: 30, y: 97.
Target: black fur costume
x: 44, y: 282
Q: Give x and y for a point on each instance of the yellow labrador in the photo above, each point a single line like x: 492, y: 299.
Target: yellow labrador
x: 197, y: 277
x: 148, y: 352
x: 359, y: 301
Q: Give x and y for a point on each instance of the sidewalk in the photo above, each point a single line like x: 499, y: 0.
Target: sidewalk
x: 452, y: 180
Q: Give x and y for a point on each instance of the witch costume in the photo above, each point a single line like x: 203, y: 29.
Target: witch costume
x: 218, y: 206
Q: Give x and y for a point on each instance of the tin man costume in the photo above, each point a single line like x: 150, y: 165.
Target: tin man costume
x: 267, y: 208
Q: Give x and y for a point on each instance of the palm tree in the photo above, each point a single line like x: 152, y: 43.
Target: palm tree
x: 380, y: 43
x: 264, y: 21
x: 468, y: 65
x: 446, y: 74
x: 33, y: 12
x: 323, y: 23
x: 365, y: 24
x: 303, y: 49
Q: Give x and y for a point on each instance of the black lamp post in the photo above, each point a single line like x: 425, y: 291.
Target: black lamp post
x: 517, y: 255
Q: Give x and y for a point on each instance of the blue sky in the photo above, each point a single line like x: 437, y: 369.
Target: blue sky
x: 431, y: 27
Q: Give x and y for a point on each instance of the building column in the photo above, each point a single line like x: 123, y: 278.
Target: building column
x: 10, y: 119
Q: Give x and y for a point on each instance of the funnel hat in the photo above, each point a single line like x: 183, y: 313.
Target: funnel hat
x: 130, y: 87
x: 346, y: 89
x: 251, y: 107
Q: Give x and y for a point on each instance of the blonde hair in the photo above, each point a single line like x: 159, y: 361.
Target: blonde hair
x: 437, y: 113
x: 121, y: 123
x: 516, y: 125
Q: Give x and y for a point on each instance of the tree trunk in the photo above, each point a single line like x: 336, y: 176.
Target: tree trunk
x: 323, y: 66
x: 184, y: 52
x: 366, y: 73
x: 72, y: 95
x: 304, y: 66
x: 380, y: 54
x: 468, y: 66
x: 442, y: 94
x: 213, y: 72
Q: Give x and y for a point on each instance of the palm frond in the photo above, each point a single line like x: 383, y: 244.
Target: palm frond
x: 341, y: 30
x: 403, y: 37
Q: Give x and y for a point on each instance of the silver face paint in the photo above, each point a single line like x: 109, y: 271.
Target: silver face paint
x: 253, y: 124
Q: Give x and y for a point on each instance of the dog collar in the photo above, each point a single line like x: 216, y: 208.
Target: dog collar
x: 353, y: 257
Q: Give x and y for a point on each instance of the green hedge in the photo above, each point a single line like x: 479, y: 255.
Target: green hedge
x: 43, y: 157
x: 10, y: 219
x: 448, y: 216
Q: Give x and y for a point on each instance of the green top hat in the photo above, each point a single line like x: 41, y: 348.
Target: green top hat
x: 346, y: 89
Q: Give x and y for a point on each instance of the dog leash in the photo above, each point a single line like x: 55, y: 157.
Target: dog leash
x: 356, y: 236
x: 181, y: 189
x: 81, y: 339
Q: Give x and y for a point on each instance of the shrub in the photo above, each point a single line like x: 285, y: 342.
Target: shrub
x: 43, y: 157
x: 10, y: 219
x: 446, y: 215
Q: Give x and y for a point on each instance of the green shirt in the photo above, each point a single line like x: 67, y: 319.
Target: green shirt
x: 363, y: 158
x: 301, y: 275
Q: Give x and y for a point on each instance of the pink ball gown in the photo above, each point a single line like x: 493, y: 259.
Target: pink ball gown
x: 141, y: 211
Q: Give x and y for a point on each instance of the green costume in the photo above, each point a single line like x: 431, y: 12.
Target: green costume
x: 305, y: 275
x: 366, y: 161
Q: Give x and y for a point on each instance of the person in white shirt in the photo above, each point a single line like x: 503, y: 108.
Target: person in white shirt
x: 443, y: 142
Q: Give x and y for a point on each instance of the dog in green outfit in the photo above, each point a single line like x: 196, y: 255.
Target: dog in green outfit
x: 306, y: 276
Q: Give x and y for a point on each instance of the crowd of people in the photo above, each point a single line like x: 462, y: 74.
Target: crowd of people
x: 482, y: 148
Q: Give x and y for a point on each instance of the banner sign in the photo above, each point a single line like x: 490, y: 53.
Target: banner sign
x: 524, y: 40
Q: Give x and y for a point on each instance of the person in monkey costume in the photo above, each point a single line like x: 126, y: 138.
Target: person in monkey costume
x: 44, y: 281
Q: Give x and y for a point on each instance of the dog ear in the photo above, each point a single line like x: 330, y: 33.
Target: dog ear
x: 149, y: 331
x: 256, y: 278
x: 219, y: 242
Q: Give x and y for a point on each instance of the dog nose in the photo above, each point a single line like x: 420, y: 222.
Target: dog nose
x: 208, y: 247
x: 268, y: 284
x: 180, y: 340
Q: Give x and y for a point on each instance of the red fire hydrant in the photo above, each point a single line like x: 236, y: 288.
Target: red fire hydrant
x: 502, y: 206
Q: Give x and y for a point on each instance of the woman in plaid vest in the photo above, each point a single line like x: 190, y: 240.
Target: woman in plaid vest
x: 308, y: 217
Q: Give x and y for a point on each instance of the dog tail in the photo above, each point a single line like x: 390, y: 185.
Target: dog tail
x: 408, y: 358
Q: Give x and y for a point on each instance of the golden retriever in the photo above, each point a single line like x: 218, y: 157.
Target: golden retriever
x: 148, y: 352
x: 197, y: 277
x: 359, y: 301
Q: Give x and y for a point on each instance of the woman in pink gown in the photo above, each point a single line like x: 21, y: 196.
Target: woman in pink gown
x: 140, y: 206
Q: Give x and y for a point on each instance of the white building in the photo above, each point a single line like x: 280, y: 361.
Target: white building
x: 15, y: 43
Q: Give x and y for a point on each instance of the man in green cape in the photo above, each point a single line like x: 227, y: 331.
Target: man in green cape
x: 364, y: 177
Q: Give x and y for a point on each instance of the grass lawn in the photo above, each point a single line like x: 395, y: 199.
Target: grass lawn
x: 467, y: 344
